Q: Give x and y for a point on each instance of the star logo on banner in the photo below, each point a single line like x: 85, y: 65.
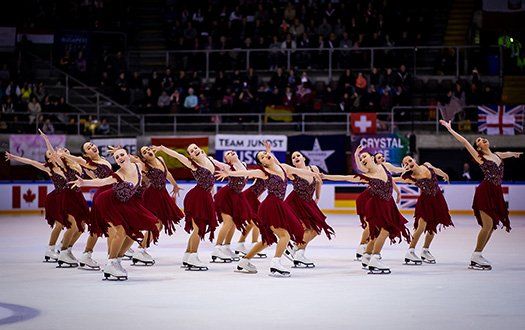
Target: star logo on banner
x: 317, y: 156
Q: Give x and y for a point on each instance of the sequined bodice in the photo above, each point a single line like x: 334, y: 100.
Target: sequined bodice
x: 492, y: 172
x: 380, y: 188
x: 276, y: 185
x: 204, y: 177
x: 59, y: 181
x: 258, y: 187
x: 303, y: 188
x: 71, y: 175
x: 428, y: 186
x: 235, y: 183
x: 156, y: 177
x: 124, y: 190
x: 101, y: 171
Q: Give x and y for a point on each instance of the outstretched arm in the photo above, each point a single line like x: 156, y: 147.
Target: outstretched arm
x: 508, y: 154
x: 75, y: 159
x: 221, y: 174
x: 79, y: 182
x: 357, y: 161
x: 180, y: 157
x: 301, y: 172
x: 462, y: 140
x: 46, y: 140
x: 318, y: 185
x: 392, y: 168
x: 398, y: 193
x: 220, y: 165
x: 349, y: 178
x: 438, y: 171
x: 34, y: 163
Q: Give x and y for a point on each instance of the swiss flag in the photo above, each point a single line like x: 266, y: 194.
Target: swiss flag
x: 363, y: 122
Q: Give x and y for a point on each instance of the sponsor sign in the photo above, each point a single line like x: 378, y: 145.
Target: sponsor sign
x: 130, y: 144
x: 327, y: 152
x: 393, y: 146
x: 247, y: 146
x: 32, y: 146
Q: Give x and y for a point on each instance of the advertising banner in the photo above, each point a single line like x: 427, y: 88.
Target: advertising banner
x: 327, y: 152
x: 247, y: 146
x: 179, y: 144
x: 32, y: 146
x: 130, y: 144
x: 393, y: 146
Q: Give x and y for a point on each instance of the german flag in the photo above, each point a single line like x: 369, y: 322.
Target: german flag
x: 346, y: 196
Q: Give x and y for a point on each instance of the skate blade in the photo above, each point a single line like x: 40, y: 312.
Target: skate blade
x: 474, y: 267
x: 111, y: 278
x: 125, y: 257
x: 240, y: 253
x: 260, y: 256
x: 136, y: 262
x: 379, y: 272
x: 244, y: 271
x: 86, y: 267
x: 302, y: 265
x: 276, y: 274
x: 220, y: 261
x: 429, y: 261
x: 66, y: 265
x: 196, y: 269
x: 50, y: 260
x: 412, y: 262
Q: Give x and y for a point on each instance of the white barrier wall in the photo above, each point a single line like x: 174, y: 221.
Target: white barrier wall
x: 31, y: 196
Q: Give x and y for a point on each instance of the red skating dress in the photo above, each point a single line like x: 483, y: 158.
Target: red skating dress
x: 73, y: 201
x: 431, y: 205
x: 230, y: 200
x: 198, y: 203
x: 305, y: 208
x: 360, y: 205
x: 489, y: 195
x: 122, y: 205
x: 100, y: 171
x: 159, y: 202
x: 274, y: 212
x: 381, y: 211
x: 253, y: 193
x: 53, y: 205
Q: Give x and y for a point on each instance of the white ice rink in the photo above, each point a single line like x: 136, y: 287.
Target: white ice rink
x: 336, y: 294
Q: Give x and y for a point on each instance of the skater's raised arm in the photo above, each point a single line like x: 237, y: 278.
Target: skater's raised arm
x: 438, y: 171
x: 301, y: 172
x: 180, y: 157
x: 360, y: 167
x: 349, y: 178
x: 508, y: 154
x: 219, y: 164
x: 396, y: 189
x: 75, y: 159
x: 463, y: 141
x: 34, y: 163
x: 46, y: 140
x: 392, y: 168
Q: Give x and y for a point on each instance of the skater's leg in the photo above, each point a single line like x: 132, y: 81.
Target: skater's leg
x: 380, y: 241
x: 148, y: 237
x: 118, y: 235
x: 90, y: 244
x: 227, y: 224
x: 77, y: 235
x: 126, y: 244
x: 258, y: 247
x: 284, y: 239
x: 55, y: 233
x: 194, y: 240
x: 309, y: 235
x: 428, y: 239
x: 70, y: 232
x: 255, y: 234
x: 365, y: 235
x: 229, y: 235
x: 249, y: 227
x: 484, y: 233
x: 421, y: 226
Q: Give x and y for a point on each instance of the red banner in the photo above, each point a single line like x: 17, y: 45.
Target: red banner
x: 179, y: 144
x: 363, y: 122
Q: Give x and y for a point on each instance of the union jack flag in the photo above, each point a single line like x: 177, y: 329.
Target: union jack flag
x: 500, y: 119
x: 409, y: 196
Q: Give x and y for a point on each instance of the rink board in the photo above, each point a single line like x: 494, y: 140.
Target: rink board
x: 335, y: 197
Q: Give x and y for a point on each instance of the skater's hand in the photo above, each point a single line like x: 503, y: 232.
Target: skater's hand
x: 156, y: 148
x: 8, y: 156
x: 40, y: 132
x: 79, y: 182
x: 446, y: 178
x: 359, y: 149
x: 446, y: 124
x: 267, y: 145
x: 398, y: 198
x: 113, y: 149
x: 518, y: 154
x: 222, y: 174
x: 176, y: 190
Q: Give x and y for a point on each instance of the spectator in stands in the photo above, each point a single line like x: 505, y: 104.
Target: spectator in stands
x: 103, y: 128
x: 176, y: 101
x: 360, y: 83
x: 8, y: 105
x: 343, y: 56
x: 47, y: 127
x: 304, y: 97
x: 465, y: 176
x: 164, y: 102
x: 72, y: 126
x: 40, y: 92
x: 191, y: 102
x: 274, y: 55
x: 65, y: 61
x: 148, y: 101
x: 34, y: 109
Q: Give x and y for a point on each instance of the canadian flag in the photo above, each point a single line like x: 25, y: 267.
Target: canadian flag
x: 363, y: 123
x: 28, y: 196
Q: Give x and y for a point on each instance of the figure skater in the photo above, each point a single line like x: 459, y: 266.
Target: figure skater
x: 431, y: 208
x: 488, y: 204
x: 305, y: 208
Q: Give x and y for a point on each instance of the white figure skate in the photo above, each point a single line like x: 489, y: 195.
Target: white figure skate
x: 365, y: 260
x: 219, y: 255
x: 411, y: 258
x: 185, y: 260
x: 477, y: 262
x: 87, y: 262
x: 226, y: 248
x: 65, y: 260
x: 301, y: 261
x: 360, y: 251
x: 427, y: 257
x: 142, y: 257
x: 376, y: 266
x: 128, y: 255
x: 241, y: 250
x: 194, y: 263
x: 51, y: 254
x: 245, y: 266
x: 113, y: 271
x: 277, y: 269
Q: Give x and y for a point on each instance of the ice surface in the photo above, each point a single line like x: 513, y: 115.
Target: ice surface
x: 336, y: 294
